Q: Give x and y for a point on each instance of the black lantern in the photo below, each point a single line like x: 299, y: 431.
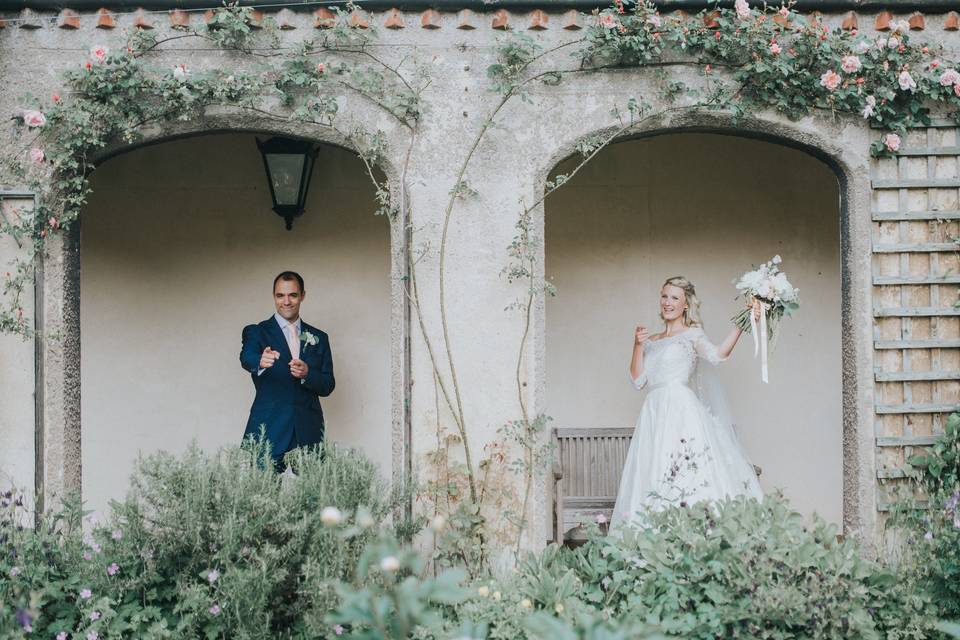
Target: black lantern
x: 289, y: 165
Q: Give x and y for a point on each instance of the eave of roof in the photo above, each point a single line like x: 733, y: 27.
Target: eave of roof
x: 479, y: 6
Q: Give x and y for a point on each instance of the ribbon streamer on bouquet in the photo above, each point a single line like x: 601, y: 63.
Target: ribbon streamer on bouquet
x: 760, y: 336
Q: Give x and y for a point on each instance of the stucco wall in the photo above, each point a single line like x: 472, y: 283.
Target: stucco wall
x: 17, y: 407
x: 179, y: 248
x: 707, y: 207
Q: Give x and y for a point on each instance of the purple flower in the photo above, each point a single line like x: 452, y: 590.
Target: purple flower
x: 85, y: 593
x: 23, y: 618
x: 338, y: 630
x: 95, y: 546
x: 951, y: 504
x: 928, y: 535
x: 93, y: 636
x: 87, y: 556
x: 94, y: 616
x: 62, y: 635
x: 14, y: 572
x: 117, y: 534
x: 215, y: 609
x: 212, y: 576
x: 113, y: 569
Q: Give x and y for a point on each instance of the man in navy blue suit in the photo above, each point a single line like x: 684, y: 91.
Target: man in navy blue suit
x: 291, y: 367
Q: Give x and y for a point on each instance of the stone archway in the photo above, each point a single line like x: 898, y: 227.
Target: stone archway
x: 59, y: 452
x: 848, y: 162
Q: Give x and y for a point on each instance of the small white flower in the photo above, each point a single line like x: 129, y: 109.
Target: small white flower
x: 180, y: 72
x: 484, y: 591
x: 331, y: 516
x: 497, y: 596
x: 776, y: 259
x: 390, y: 564
x: 526, y: 604
x: 868, y: 109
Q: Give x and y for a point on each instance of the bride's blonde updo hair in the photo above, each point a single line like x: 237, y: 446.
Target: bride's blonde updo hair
x: 691, y: 315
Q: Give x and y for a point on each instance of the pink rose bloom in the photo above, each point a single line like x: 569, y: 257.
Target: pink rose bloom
x: 99, y: 54
x: 33, y: 118
x: 742, y: 9
x: 830, y: 80
x: 601, y: 519
x: 609, y: 21
x: 850, y: 64
x: 654, y: 19
x: 180, y: 72
x: 892, y: 142
x: 321, y: 67
x: 36, y: 155
x: 906, y: 81
x: 775, y: 48
x: 949, y: 77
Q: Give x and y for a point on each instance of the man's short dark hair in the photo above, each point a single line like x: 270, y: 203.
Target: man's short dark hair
x: 289, y: 276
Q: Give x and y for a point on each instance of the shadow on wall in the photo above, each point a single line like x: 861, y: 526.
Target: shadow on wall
x: 705, y: 206
x: 179, y: 251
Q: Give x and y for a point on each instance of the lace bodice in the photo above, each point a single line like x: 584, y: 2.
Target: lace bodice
x: 674, y: 359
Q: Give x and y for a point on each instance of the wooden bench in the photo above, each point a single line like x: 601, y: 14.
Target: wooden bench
x: 587, y: 465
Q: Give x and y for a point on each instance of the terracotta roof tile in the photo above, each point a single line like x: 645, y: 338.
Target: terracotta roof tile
x: 952, y: 23
x: 179, y: 19
x: 359, y: 19
x: 324, y: 19
x: 882, y: 23
x: 141, y: 19
x: 538, y: 20
x: 571, y: 20
x: 430, y: 19
x: 465, y: 20
x: 68, y: 19
x: 394, y: 20
x: 916, y: 21
x: 501, y: 20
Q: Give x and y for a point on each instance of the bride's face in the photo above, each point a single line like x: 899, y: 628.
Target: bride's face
x: 673, y: 301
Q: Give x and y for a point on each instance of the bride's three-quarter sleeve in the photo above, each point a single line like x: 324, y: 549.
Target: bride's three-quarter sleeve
x: 706, y: 349
x: 640, y: 382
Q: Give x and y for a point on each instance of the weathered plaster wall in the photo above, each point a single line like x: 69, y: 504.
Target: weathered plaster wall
x: 511, y: 164
x: 17, y: 407
x: 631, y: 219
x: 179, y: 250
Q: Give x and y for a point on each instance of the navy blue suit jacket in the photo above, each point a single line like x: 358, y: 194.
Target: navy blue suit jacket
x: 289, y: 410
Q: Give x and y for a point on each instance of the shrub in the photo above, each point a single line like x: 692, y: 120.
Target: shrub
x: 743, y: 569
x: 209, y: 546
x: 933, y: 530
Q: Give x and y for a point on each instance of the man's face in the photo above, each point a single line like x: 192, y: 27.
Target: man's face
x: 287, y: 297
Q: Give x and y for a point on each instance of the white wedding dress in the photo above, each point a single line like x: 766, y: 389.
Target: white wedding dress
x: 684, y: 448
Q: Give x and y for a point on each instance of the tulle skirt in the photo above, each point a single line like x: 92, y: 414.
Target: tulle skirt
x: 680, y: 454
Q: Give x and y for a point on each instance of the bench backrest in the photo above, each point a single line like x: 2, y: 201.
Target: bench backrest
x: 591, y: 460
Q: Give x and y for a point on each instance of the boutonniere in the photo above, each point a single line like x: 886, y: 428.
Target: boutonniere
x: 308, y: 338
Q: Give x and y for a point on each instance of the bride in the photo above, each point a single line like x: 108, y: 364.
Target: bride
x: 684, y: 448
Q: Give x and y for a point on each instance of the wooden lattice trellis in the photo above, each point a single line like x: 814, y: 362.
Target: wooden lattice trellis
x: 916, y: 209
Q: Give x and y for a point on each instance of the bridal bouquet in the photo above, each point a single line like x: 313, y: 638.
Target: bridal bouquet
x: 768, y: 286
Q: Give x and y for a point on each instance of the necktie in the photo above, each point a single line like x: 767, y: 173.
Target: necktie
x: 293, y: 340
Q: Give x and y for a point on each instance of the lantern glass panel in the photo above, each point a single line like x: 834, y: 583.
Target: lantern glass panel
x: 286, y: 172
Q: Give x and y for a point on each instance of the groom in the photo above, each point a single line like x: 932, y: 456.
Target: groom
x: 290, y: 364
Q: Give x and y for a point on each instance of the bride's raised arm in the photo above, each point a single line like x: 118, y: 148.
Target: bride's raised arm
x: 637, y: 374
x: 718, y: 353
